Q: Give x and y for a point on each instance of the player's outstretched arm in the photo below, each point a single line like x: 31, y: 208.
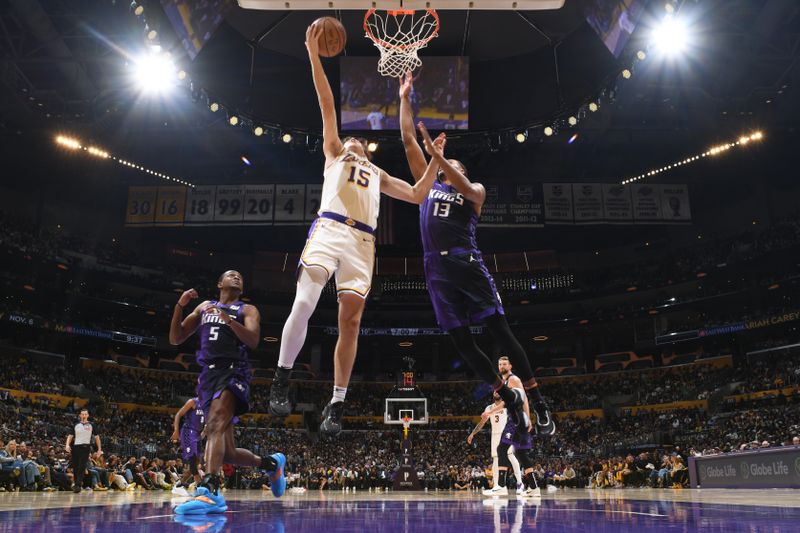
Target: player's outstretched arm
x: 477, y: 429
x: 331, y: 143
x: 414, y: 153
x: 414, y: 194
x: 474, y: 192
x: 176, y: 421
x: 181, y: 328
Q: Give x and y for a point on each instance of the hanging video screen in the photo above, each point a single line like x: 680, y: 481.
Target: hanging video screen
x: 440, y: 97
x: 614, y: 21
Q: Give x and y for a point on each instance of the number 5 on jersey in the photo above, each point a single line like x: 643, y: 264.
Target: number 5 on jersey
x: 363, y: 176
x: 213, y: 333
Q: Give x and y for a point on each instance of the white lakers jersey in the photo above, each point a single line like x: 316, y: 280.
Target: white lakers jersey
x: 498, y: 420
x: 352, y: 188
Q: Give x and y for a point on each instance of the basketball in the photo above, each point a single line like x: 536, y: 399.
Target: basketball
x: 333, y: 38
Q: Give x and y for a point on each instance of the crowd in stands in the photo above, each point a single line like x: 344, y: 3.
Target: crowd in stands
x: 600, y: 452
x: 115, y: 384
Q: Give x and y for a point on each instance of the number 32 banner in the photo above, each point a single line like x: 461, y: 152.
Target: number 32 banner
x: 222, y: 205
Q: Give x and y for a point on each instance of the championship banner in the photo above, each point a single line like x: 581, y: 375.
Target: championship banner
x: 558, y: 203
x: 141, y: 208
x: 608, y: 203
x: 170, y: 206
x: 588, y: 201
x: 512, y: 206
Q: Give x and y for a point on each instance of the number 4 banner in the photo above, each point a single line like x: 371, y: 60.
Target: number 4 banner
x: 290, y: 203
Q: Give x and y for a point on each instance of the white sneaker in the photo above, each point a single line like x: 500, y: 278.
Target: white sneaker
x: 533, y: 493
x: 551, y: 489
x: 180, y: 491
x: 520, y: 488
x: 496, y: 491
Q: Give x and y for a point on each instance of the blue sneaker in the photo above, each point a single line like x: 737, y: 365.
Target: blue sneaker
x: 204, y: 502
x: 202, y: 524
x: 276, y: 477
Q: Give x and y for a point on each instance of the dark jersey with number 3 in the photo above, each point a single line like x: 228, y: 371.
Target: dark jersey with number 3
x: 447, y: 220
x: 218, y: 342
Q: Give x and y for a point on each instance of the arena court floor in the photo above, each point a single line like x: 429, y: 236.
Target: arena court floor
x: 629, y: 510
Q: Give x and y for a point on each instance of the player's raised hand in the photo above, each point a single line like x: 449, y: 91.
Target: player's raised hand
x: 469, y: 439
x: 187, y: 297
x: 312, y: 39
x: 434, y: 148
x: 406, y: 83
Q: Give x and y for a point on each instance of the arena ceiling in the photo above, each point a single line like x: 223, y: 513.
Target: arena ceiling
x: 63, y: 68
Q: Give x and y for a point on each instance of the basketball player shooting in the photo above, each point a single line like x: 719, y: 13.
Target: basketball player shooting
x: 340, y: 243
x: 227, y: 328
x: 461, y: 289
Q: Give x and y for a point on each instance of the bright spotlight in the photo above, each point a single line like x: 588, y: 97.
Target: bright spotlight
x: 671, y: 37
x: 372, y: 146
x: 627, y: 74
x: 573, y: 121
x: 234, y: 120
x: 287, y: 138
x: 214, y: 107
x: 521, y: 137
x: 593, y: 107
x: 155, y: 73
x: 258, y: 131
x: 548, y: 131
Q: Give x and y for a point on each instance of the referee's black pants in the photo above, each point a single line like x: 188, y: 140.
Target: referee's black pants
x: 80, y: 458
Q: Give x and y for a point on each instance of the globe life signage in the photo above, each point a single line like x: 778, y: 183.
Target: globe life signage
x: 765, y: 468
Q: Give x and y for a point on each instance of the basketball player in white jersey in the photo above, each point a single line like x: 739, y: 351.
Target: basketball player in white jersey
x: 497, y: 415
x: 341, y: 243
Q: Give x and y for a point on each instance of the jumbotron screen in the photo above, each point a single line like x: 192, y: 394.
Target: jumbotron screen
x: 440, y: 97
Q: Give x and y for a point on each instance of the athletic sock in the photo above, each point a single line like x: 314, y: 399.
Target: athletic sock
x: 282, y: 374
x: 211, y: 482
x: 268, y: 463
x: 502, y: 478
x: 338, y: 394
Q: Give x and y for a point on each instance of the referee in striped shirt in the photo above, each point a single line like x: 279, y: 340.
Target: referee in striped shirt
x: 80, y: 439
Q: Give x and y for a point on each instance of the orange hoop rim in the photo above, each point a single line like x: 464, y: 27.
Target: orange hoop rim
x: 395, y: 13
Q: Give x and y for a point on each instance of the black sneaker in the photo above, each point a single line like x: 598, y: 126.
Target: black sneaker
x: 544, y: 420
x: 279, y: 398
x: 332, y: 423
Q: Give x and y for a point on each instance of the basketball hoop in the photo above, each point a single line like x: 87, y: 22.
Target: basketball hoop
x: 406, y: 424
x: 399, y: 35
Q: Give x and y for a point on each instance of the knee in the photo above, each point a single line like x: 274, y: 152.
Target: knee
x: 350, y: 323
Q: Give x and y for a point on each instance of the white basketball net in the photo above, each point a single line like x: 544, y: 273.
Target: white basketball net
x: 399, y: 35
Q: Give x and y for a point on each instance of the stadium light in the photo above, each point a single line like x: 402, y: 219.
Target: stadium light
x: 521, y: 137
x: 372, y: 146
x: 287, y: 138
x: 214, y: 107
x: 548, y: 131
x: 233, y: 120
x: 155, y: 73
x: 258, y: 131
x: 671, y: 37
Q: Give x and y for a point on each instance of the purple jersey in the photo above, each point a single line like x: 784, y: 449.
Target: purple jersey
x: 195, y: 418
x: 218, y: 342
x: 447, y: 221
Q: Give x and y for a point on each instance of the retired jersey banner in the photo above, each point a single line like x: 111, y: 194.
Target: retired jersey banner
x: 512, y: 206
x: 610, y: 203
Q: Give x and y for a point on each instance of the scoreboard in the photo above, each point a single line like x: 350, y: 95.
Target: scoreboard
x: 270, y: 204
